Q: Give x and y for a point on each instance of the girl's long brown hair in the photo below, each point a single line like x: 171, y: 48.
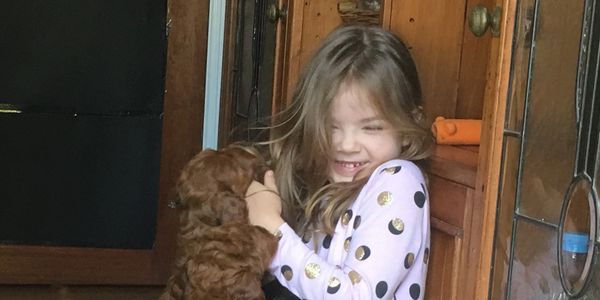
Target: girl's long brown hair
x: 379, y: 63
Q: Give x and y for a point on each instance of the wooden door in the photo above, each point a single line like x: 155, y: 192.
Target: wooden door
x: 181, y: 138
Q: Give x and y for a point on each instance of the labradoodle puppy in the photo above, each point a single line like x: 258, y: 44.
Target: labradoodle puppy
x: 220, y: 255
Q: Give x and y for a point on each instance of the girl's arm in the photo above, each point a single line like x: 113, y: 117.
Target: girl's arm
x: 381, y: 249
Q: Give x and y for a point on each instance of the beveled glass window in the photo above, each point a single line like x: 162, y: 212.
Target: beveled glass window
x: 546, y: 236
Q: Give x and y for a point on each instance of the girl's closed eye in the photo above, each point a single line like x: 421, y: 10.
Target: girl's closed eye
x: 373, y: 127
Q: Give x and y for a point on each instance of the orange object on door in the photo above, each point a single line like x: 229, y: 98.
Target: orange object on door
x: 456, y: 131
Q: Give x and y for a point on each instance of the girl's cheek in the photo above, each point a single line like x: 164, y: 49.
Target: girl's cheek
x: 334, y: 138
x: 383, y: 140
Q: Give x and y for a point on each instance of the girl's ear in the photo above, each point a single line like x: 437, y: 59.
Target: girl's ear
x: 404, y: 142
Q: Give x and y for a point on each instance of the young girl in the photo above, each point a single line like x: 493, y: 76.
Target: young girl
x: 354, y: 223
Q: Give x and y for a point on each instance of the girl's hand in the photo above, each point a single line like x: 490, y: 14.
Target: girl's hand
x: 264, y: 203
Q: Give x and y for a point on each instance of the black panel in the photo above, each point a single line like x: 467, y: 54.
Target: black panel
x: 84, y: 56
x: 79, y: 181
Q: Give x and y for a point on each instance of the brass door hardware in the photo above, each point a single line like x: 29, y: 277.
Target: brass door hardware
x: 480, y: 19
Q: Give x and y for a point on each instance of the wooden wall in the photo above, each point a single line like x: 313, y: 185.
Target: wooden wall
x: 451, y: 61
x: 79, y: 293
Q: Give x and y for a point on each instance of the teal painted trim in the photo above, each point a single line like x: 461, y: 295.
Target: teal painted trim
x: 214, y: 64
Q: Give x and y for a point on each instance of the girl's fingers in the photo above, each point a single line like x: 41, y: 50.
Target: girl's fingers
x: 270, y: 181
x: 254, y: 187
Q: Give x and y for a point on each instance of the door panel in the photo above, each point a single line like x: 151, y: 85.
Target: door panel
x: 307, y: 24
x: 433, y: 32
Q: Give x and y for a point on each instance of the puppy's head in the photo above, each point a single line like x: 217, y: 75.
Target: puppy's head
x: 229, y: 170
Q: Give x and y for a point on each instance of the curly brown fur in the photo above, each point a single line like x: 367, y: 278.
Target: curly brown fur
x: 220, y: 255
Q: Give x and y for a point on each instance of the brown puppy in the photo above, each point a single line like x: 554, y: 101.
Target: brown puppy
x: 220, y: 255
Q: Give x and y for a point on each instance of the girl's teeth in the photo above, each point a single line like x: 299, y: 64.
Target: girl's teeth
x: 352, y: 165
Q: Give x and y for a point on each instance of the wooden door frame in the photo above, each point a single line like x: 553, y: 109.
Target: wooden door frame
x: 490, y: 153
x: 287, y: 45
x: 226, y: 111
x: 181, y: 138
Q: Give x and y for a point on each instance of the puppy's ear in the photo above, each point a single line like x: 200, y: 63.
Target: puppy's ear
x: 229, y: 207
x: 256, y: 163
x: 197, y: 179
x: 249, y: 161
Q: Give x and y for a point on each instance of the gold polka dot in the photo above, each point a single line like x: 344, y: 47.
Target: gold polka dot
x: 396, y: 226
x: 333, y: 285
x: 409, y: 260
x: 334, y: 282
x: 287, y: 273
x: 354, y: 277
x: 392, y: 170
x: 312, y: 270
x: 384, y: 198
x: 278, y: 234
x: 362, y: 253
x: 346, y: 217
x: 347, y: 243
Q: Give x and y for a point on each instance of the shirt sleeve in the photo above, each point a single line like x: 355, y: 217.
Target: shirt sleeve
x: 384, y: 237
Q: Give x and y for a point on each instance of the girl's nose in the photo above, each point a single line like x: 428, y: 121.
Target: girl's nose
x: 348, y: 142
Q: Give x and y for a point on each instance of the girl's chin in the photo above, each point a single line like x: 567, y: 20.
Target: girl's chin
x: 344, y: 177
x: 338, y: 178
x: 341, y: 174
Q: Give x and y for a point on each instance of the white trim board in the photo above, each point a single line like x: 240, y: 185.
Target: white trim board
x: 214, y: 65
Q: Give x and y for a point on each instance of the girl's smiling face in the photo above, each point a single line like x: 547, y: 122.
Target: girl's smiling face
x: 360, y: 138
